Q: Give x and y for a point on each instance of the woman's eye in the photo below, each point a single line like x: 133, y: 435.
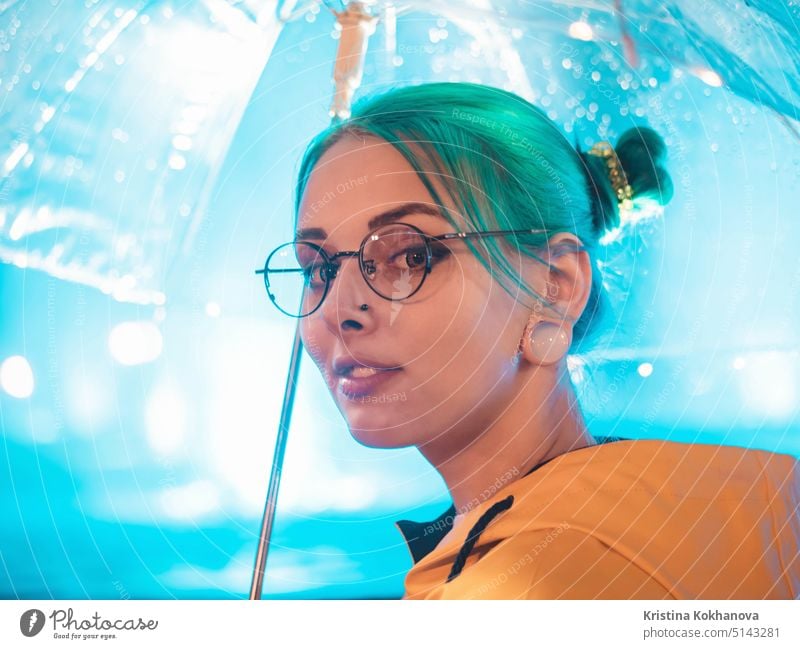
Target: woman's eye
x: 314, y: 276
x: 414, y: 258
x: 410, y: 258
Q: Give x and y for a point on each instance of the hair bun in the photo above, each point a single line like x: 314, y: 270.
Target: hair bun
x: 641, y: 153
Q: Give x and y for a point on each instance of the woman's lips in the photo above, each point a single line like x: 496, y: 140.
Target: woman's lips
x: 360, y: 386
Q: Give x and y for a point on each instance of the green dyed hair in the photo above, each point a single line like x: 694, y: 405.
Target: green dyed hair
x: 505, y: 166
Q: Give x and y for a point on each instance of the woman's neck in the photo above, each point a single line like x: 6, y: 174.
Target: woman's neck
x: 529, y: 431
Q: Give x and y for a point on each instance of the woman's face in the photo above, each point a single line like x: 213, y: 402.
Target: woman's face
x: 454, y: 341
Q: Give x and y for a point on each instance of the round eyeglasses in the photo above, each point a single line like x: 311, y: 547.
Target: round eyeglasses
x: 394, y: 261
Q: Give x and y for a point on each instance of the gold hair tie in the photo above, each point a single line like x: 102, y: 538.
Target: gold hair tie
x: 619, y: 181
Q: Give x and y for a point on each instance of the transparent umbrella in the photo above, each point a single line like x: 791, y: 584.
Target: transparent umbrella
x: 116, y: 117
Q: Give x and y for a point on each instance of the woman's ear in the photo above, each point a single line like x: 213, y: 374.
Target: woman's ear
x: 568, y: 282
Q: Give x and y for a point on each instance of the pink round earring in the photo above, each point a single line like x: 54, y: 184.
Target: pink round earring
x: 548, y: 342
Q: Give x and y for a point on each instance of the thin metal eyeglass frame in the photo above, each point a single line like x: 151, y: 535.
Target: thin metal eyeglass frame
x: 332, y: 267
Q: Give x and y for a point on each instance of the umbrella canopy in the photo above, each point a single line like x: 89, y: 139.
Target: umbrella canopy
x: 147, y: 157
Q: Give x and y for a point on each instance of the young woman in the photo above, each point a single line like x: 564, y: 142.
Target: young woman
x: 446, y: 254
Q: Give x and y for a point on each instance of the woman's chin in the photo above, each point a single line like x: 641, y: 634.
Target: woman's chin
x: 377, y: 419
x: 377, y: 438
x: 377, y: 430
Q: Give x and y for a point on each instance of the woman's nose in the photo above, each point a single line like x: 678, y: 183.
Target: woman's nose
x: 347, y: 292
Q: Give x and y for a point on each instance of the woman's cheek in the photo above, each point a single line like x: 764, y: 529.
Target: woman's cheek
x: 313, y: 344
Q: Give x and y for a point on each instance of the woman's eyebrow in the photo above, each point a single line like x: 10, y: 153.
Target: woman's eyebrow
x: 389, y: 216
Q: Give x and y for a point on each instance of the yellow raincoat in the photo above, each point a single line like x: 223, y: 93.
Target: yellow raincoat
x: 626, y: 519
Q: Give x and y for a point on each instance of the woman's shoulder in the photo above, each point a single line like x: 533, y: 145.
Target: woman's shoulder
x: 631, y: 487
x: 653, y: 510
x: 622, y: 463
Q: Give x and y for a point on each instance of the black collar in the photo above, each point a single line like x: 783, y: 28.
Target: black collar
x: 422, y: 538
